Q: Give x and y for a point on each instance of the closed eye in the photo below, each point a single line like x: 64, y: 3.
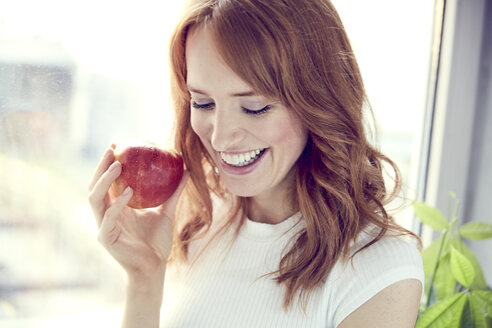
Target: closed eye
x: 256, y: 111
x: 210, y: 106
x: 202, y: 106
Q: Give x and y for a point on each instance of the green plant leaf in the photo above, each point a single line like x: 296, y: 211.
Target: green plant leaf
x: 479, y: 281
x: 430, y: 216
x: 484, y: 300
x: 466, y: 318
x: 461, y: 268
x: 429, y: 255
x: 446, y: 313
x: 479, y: 319
x: 444, y: 282
x: 476, y: 230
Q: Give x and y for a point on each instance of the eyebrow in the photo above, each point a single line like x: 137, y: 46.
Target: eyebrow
x: 239, y: 94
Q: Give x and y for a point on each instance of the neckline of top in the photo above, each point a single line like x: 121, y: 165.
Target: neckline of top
x: 259, y: 231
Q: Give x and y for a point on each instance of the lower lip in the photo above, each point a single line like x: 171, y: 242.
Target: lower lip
x: 241, y: 170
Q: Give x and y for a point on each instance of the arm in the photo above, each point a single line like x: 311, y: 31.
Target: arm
x: 139, y: 240
x: 143, y: 302
x: 395, y: 306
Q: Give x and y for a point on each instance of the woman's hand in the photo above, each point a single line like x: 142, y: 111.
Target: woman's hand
x: 140, y: 240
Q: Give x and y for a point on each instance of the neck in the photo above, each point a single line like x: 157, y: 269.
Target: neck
x: 275, y: 205
x: 271, y: 210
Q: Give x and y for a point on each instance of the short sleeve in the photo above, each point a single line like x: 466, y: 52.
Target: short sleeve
x: 382, y: 264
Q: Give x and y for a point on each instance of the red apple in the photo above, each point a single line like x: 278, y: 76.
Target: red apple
x: 152, y: 172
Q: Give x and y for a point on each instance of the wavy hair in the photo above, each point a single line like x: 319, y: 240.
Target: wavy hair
x: 295, y: 51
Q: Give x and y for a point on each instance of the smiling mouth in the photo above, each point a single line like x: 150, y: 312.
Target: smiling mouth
x: 242, y: 159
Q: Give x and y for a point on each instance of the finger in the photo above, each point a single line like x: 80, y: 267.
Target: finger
x: 109, y: 231
x: 171, y: 203
x: 98, y: 197
x: 106, y: 160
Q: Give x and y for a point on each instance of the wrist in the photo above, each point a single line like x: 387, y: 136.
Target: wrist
x: 143, y: 302
x: 144, y: 294
x: 143, y: 282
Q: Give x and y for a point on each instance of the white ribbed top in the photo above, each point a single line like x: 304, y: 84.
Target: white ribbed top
x: 225, y: 287
x: 264, y: 232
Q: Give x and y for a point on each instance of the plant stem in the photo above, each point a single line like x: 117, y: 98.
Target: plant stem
x: 438, y: 259
x: 441, y: 246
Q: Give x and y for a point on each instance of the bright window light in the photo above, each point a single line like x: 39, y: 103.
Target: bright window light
x: 76, y: 76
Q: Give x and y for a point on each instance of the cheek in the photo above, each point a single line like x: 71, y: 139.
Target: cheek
x: 198, y: 124
x: 287, y: 133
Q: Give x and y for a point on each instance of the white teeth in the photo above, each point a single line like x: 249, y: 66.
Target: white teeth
x: 241, y: 159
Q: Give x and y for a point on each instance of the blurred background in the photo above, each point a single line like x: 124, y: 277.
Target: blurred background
x: 78, y: 76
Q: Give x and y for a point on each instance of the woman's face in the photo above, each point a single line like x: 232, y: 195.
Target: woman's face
x: 253, y: 140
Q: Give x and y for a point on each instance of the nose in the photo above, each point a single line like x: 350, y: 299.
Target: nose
x: 226, y: 129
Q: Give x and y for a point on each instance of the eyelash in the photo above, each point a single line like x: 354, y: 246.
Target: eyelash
x: 209, y: 106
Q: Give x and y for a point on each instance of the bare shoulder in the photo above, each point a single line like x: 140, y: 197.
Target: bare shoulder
x: 395, y: 306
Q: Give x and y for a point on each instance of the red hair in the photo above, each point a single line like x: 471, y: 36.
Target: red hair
x: 297, y: 52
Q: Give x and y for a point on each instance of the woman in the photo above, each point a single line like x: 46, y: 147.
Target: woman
x: 280, y: 219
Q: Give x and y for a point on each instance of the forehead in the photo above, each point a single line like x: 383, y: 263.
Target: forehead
x: 206, y: 70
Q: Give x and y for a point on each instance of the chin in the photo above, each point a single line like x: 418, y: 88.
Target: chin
x: 242, y: 191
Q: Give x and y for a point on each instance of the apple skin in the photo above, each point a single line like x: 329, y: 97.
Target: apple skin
x: 152, y: 172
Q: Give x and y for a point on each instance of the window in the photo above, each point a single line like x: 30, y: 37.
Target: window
x: 392, y: 43
x: 77, y: 76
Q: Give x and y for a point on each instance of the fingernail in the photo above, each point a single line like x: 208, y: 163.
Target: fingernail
x: 113, y: 166
x: 126, y: 191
